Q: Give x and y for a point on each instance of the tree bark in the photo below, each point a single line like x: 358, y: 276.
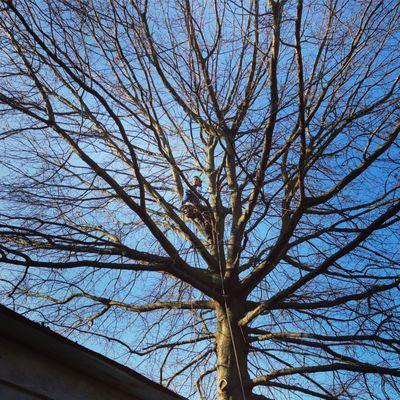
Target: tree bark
x: 232, y: 351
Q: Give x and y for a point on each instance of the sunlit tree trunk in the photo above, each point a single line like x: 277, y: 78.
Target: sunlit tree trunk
x: 232, y: 352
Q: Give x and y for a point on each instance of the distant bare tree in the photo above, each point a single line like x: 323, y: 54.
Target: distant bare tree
x: 288, y: 110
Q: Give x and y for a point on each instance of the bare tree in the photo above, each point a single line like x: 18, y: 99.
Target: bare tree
x: 289, y: 110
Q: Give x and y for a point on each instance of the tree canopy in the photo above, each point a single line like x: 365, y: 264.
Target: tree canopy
x: 288, y: 110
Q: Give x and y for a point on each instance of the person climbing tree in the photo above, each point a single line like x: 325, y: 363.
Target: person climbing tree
x: 193, y: 208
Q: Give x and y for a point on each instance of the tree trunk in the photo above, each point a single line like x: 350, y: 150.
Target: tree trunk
x: 232, y: 351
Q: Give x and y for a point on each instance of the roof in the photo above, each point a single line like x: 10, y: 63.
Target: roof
x: 41, y: 339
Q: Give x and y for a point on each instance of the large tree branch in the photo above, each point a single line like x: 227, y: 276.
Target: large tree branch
x: 356, y: 340
x: 329, y: 303
x: 362, y: 368
x: 283, y: 294
x: 159, y: 305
